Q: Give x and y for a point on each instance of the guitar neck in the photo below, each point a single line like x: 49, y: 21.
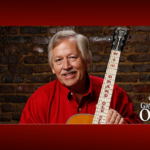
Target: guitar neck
x: 104, y: 100
x: 102, y: 107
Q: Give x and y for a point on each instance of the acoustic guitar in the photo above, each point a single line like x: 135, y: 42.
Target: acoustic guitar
x: 102, y: 107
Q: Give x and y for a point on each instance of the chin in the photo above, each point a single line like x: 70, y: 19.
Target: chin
x: 69, y: 84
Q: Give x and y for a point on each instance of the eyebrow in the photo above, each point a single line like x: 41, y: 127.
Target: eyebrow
x: 76, y: 54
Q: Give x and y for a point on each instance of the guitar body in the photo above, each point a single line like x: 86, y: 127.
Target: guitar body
x: 81, y: 119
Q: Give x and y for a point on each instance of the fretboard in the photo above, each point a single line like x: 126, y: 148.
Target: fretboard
x: 104, y: 100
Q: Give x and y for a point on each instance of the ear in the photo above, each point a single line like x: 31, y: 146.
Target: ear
x: 88, y: 64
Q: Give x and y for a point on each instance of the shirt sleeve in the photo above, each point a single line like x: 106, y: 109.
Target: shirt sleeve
x: 33, y: 112
x: 125, y: 107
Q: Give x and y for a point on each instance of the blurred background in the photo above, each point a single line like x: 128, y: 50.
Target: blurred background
x: 24, y: 64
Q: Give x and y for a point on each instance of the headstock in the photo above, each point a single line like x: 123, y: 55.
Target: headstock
x: 119, y: 38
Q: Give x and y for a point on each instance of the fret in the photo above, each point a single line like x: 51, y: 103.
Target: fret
x: 111, y: 71
x: 103, y: 122
x: 115, y: 53
x: 113, y: 66
x: 98, y: 118
x: 107, y: 89
x: 102, y: 110
x: 99, y: 114
x: 102, y: 103
x: 104, y: 99
x: 97, y: 122
x: 110, y: 76
x: 109, y: 82
x: 107, y: 100
x: 106, y: 95
x: 107, y: 86
x: 102, y: 107
x: 114, y: 60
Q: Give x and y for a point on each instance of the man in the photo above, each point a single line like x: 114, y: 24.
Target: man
x: 74, y: 91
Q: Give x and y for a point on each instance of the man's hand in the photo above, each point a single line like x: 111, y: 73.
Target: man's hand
x: 113, y: 117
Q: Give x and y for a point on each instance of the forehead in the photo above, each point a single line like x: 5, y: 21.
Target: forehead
x: 66, y: 46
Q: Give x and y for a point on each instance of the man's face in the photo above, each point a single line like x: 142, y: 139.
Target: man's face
x: 68, y: 64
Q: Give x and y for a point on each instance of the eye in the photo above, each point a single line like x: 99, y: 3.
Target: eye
x: 58, y: 60
x: 72, y: 58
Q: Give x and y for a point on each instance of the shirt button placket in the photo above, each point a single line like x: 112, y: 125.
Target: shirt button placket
x: 71, y: 96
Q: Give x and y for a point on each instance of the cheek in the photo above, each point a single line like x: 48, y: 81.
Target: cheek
x: 80, y: 68
x: 56, y: 69
x: 77, y: 64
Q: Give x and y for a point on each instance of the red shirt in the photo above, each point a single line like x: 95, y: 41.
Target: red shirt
x: 54, y: 103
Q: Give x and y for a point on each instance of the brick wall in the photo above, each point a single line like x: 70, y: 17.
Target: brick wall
x: 24, y: 66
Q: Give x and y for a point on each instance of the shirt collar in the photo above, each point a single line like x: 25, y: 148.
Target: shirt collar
x: 67, y: 92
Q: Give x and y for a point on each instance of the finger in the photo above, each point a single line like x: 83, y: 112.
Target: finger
x: 118, y: 119
x: 121, y: 121
x: 109, y: 114
x: 113, y: 118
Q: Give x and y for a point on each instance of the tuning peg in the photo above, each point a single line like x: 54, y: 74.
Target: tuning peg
x: 127, y: 42
x: 125, y: 33
x: 115, y: 37
x: 121, y: 44
x: 130, y: 37
x: 111, y: 33
x: 109, y: 44
x: 148, y: 98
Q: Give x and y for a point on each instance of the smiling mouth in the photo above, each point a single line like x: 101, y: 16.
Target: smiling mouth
x: 69, y: 74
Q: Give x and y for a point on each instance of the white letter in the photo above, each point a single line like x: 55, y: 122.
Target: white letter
x: 142, y: 116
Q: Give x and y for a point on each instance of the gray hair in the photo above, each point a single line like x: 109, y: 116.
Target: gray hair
x: 82, y: 44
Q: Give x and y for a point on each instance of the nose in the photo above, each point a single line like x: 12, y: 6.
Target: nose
x: 66, y: 64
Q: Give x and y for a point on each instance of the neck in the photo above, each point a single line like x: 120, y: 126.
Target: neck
x: 81, y: 89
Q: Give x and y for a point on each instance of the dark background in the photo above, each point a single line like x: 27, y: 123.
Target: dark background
x: 24, y: 65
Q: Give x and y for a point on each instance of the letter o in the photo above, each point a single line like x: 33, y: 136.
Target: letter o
x: 103, y: 103
x: 142, y: 116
